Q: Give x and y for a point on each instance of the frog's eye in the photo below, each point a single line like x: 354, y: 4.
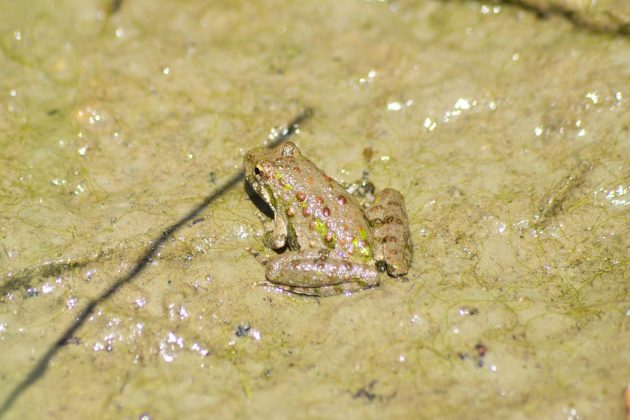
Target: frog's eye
x: 261, y: 171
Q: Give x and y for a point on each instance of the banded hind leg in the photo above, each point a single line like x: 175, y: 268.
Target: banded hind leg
x: 390, y: 227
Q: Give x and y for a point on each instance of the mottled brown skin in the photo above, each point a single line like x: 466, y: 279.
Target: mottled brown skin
x: 388, y: 220
x: 330, y: 244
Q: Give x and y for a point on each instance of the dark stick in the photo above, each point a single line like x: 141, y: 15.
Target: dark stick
x: 38, y: 371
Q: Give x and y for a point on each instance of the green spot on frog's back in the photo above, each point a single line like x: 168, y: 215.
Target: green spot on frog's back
x: 361, y: 247
x: 321, y: 228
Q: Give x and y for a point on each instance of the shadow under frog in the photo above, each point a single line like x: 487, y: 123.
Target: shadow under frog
x: 331, y: 243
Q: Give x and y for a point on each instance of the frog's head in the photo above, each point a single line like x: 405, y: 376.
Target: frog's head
x: 262, y: 169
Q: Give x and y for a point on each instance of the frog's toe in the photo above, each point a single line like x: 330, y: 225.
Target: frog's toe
x: 263, y: 283
x: 333, y: 290
x: 260, y: 257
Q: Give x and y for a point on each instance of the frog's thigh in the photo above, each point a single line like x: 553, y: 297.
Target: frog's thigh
x: 390, y: 227
x: 313, y: 268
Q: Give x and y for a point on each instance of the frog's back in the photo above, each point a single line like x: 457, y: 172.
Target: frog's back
x: 321, y: 213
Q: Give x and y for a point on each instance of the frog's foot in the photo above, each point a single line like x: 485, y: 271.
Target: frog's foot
x: 390, y: 226
x: 260, y: 257
x: 338, y: 289
x: 319, y: 272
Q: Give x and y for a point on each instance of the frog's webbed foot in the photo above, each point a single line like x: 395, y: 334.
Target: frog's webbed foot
x: 260, y: 257
x: 337, y: 289
x: 319, y: 272
x: 263, y: 283
x: 263, y: 259
x: 390, y: 226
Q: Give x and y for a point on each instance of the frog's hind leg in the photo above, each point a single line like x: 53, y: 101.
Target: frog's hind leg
x: 390, y: 227
x: 319, y: 272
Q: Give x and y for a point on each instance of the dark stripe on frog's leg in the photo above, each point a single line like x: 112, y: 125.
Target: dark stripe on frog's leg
x: 390, y: 227
x: 313, y: 268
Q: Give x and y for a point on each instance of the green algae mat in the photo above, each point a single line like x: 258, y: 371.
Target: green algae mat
x: 127, y: 286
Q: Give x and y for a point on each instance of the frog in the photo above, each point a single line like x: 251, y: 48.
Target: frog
x: 328, y: 243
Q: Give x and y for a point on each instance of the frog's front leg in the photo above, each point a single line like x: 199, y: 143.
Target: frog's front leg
x: 275, y: 232
x: 320, y: 272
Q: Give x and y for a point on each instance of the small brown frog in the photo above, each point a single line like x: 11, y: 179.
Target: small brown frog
x: 333, y: 245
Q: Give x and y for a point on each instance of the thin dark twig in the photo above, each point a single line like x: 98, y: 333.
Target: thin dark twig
x: 40, y: 368
x: 609, y: 22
